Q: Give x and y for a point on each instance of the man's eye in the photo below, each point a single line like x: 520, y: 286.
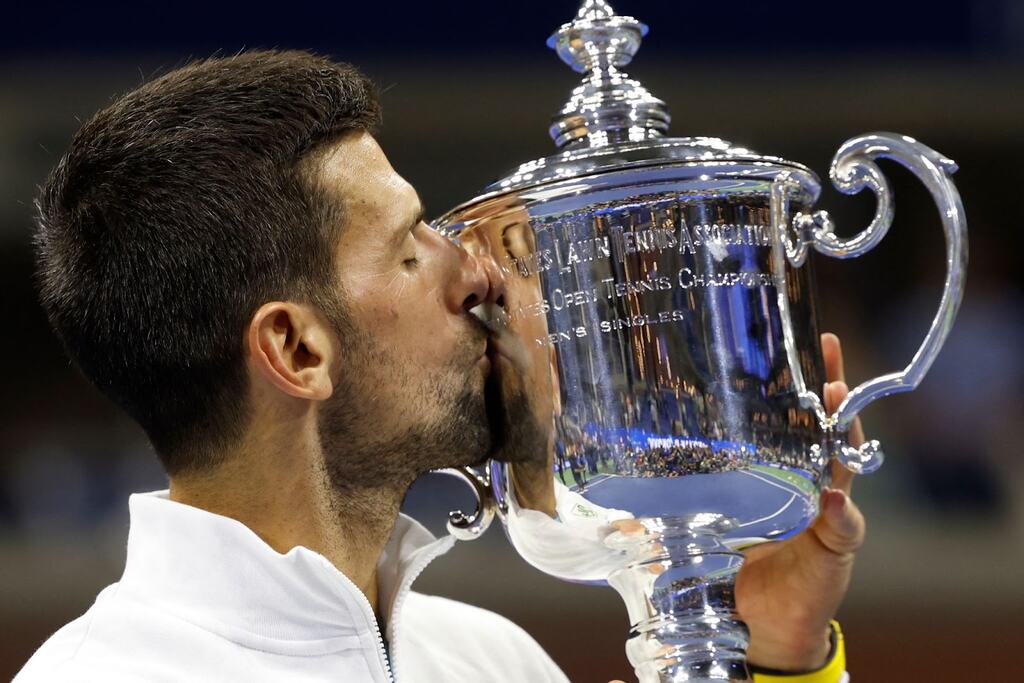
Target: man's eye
x: 411, y: 262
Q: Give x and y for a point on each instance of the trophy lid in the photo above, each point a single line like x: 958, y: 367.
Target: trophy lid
x: 611, y: 121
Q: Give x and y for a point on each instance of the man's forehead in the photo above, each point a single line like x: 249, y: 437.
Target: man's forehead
x: 356, y: 170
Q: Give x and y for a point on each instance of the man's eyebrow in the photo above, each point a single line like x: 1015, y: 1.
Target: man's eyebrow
x: 420, y: 214
x: 421, y: 211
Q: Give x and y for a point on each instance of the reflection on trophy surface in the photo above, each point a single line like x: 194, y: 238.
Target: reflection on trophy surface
x: 658, y: 333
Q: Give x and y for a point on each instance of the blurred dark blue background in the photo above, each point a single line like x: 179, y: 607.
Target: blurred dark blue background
x: 469, y: 89
x: 961, y: 28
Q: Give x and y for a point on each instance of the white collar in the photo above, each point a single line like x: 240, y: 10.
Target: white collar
x: 217, y: 573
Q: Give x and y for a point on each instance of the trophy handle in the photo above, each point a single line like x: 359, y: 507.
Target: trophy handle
x: 853, y: 168
x: 471, y: 527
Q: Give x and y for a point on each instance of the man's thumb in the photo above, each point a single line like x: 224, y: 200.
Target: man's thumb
x: 840, y: 528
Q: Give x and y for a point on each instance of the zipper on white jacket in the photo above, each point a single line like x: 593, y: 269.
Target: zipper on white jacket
x: 368, y: 612
x: 443, y: 545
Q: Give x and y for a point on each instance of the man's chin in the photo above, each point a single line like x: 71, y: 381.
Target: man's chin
x: 474, y: 457
x: 471, y: 444
x: 482, y: 446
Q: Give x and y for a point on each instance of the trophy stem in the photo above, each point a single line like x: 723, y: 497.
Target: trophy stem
x: 679, y: 592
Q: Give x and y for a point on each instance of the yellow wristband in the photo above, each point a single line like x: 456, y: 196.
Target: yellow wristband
x: 832, y: 672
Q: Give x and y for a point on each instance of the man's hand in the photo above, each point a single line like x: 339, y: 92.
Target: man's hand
x: 788, y: 592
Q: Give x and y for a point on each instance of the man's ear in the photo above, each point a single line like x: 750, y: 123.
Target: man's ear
x: 290, y: 345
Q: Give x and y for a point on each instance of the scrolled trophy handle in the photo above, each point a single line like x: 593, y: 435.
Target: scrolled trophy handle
x: 470, y: 527
x: 854, y: 168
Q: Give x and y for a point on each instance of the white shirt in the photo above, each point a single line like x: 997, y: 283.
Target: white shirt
x: 203, y: 598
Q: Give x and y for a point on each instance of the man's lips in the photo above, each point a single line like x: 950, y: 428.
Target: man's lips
x: 485, y: 363
x: 491, y: 353
x: 496, y: 347
x: 487, y: 348
x: 493, y: 317
x: 495, y: 320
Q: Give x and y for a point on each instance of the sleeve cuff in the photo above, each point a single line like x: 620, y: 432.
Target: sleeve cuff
x: 833, y: 671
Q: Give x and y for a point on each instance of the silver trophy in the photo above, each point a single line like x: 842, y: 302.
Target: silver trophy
x: 660, y: 308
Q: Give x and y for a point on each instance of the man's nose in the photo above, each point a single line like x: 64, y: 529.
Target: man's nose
x: 480, y: 280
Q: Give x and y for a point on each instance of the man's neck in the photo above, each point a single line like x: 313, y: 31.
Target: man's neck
x: 298, y: 508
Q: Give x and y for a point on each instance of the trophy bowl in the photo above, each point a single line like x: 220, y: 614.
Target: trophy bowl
x: 659, y: 324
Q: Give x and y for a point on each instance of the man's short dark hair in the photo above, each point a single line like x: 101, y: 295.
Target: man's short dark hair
x: 175, y: 213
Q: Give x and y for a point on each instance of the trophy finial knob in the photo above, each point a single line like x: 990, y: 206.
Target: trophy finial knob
x: 597, y: 38
x: 595, y: 9
x: 607, y: 106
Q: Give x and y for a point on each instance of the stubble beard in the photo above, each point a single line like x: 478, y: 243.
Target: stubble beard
x: 367, y: 451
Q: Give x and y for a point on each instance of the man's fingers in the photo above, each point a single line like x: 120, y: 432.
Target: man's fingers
x: 842, y: 478
x: 836, y: 392
x: 832, y: 350
x: 835, y: 385
x: 840, y: 527
x: 856, y: 438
